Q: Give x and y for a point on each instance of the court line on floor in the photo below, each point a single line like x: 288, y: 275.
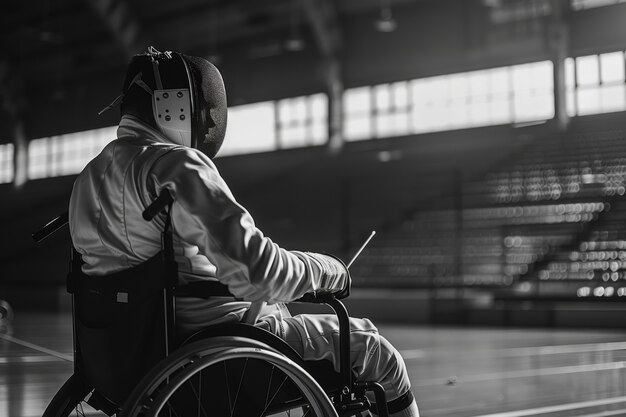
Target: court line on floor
x: 523, y: 351
x: 524, y: 373
x: 29, y: 359
x: 606, y: 413
x: 65, y: 357
x: 560, y: 349
x: 557, y: 408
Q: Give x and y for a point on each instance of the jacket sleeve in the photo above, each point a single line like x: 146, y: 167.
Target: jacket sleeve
x: 255, y: 268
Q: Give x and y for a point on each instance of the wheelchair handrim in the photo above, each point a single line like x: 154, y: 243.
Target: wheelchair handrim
x: 321, y: 404
x: 185, y: 356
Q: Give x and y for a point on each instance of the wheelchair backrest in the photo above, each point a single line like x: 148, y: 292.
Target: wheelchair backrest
x: 122, y: 327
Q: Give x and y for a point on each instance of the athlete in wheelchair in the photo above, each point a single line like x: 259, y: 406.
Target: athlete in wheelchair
x: 183, y: 314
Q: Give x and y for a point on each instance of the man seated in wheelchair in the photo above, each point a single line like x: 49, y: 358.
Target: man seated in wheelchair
x: 173, y: 122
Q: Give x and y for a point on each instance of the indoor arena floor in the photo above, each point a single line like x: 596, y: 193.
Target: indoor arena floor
x: 455, y: 371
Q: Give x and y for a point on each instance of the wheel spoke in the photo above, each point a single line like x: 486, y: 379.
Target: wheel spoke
x: 269, y: 386
x: 200, y: 407
x: 171, y: 409
x: 197, y: 395
x: 243, y: 372
x: 274, y: 396
x: 230, y: 404
x: 290, y: 392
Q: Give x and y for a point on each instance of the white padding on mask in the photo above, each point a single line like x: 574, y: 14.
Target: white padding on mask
x: 172, y: 112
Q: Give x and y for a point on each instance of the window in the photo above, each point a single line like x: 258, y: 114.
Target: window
x: 570, y: 87
x: 490, y: 97
x: 532, y: 91
x: 302, y: 121
x: 319, y: 119
x: 595, y: 84
x: 357, y: 109
x: 590, y: 4
x: 520, y: 93
x: 392, y: 109
x: 251, y: 128
x: 6, y: 163
x: 66, y: 154
x: 612, y: 91
x: 430, y: 98
x: 38, y: 158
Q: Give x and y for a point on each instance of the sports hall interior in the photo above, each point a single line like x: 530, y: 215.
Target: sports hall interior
x: 483, y: 140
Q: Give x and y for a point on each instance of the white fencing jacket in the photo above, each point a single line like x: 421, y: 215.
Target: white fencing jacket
x: 214, y: 236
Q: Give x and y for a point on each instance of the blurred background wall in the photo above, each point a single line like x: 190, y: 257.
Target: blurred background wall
x: 482, y: 139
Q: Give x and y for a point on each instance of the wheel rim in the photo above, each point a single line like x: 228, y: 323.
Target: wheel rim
x: 69, y: 400
x: 287, y: 391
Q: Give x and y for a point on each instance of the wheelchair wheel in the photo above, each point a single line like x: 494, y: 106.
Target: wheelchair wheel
x: 6, y: 312
x: 67, y: 399
x: 213, y: 378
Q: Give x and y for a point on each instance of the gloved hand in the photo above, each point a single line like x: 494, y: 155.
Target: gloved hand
x: 334, y: 276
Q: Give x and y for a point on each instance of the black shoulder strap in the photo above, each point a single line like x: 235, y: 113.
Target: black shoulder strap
x: 167, y: 244
x: 76, y: 263
x: 167, y: 248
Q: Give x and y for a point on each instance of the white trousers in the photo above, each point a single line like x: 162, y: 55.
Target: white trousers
x: 316, y: 337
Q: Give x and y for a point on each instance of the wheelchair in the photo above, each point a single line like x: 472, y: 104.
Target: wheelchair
x: 129, y: 361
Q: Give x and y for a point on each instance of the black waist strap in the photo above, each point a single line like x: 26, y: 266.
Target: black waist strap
x: 203, y: 289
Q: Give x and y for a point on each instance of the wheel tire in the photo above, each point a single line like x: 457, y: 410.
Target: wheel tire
x: 67, y: 398
x: 211, y: 359
x: 6, y: 312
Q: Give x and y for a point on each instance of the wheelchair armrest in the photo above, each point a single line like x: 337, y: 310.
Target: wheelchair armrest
x: 324, y: 296
x: 321, y: 297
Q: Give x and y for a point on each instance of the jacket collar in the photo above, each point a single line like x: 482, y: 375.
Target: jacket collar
x: 133, y: 127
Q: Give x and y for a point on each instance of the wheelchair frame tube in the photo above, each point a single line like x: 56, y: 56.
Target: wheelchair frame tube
x: 168, y: 294
x: 70, y: 286
x: 345, y: 367
x: 74, y: 339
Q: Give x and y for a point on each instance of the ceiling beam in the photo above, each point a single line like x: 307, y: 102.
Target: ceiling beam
x: 558, y: 43
x: 323, y: 19
x: 11, y: 89
x: 322, y: 16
